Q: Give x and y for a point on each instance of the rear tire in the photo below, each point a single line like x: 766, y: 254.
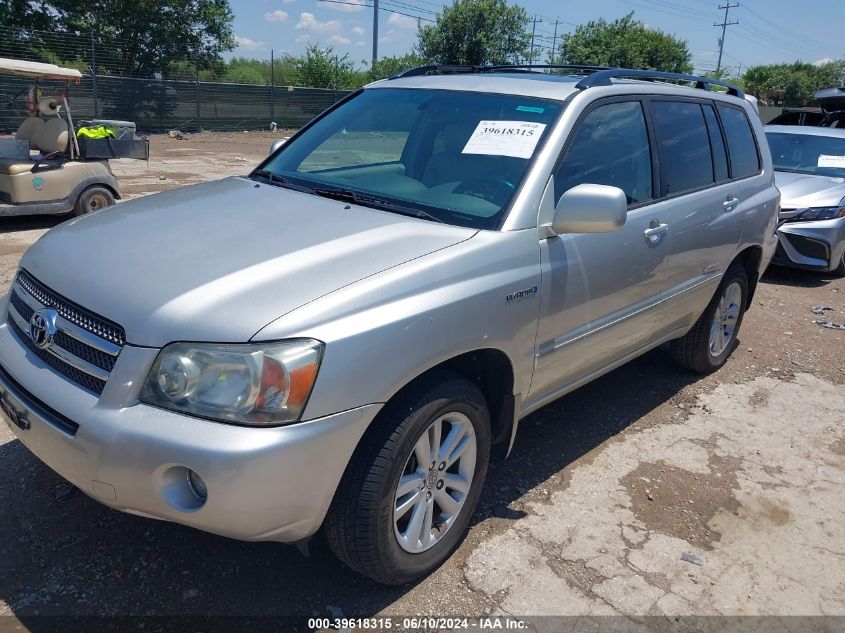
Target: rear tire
x: 707, y: 346
x: 839, y: 271
x: 370, y: 525
x: 93, y: 199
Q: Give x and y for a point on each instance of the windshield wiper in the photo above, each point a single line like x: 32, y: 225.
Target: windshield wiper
x: 366, y: 200
x: 276, y: 179
x: 348, y: 195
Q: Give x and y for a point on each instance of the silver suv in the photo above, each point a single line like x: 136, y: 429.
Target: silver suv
x: 345, y: 337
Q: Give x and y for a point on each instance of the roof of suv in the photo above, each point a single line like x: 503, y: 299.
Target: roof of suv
x: 522, y: 80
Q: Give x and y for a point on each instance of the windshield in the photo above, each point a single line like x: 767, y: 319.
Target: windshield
x: 456, y: 157
x: 808, y: 153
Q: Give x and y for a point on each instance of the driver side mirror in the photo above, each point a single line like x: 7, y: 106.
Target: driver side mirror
x: 277, y: 144
x: 589, y: 208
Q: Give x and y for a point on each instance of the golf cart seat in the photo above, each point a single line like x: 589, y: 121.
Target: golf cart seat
x: 29, y: 128
x: 50, y: 137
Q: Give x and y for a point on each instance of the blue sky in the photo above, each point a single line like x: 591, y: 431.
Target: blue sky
x: 769, y: 31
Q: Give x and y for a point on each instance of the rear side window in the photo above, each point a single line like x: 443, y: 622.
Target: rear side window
x: 685, y: 159
x: 741, y: 144
x: 717, y: 144
x: 610, y: 147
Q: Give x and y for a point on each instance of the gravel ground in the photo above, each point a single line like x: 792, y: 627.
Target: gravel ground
x: 650, y: 492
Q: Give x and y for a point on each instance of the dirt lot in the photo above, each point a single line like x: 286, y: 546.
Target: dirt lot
x: 651, y: 491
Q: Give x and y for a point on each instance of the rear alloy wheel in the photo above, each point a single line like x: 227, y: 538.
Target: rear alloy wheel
x: 93, y: 199
x: 707, y: 346
x: 410, y: 490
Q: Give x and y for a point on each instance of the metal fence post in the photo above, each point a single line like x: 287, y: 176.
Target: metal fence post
x: 272, y: 87
x: 94, y: 77
x: 197, y: 90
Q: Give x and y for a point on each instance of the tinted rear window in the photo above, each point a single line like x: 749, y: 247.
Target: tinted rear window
x: 717, y: 144
x: 685, y: 158
x: 741, y: 143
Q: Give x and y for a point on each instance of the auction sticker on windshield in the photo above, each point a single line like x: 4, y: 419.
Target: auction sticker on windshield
x: 505, y: 138
x: 831, y: 161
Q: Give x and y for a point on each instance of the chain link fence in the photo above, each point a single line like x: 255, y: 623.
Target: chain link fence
x: 180, y: 101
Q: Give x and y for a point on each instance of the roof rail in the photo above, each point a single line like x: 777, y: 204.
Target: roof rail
x: 603, y: 77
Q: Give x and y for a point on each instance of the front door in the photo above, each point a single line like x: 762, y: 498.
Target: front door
x: 599, y: 290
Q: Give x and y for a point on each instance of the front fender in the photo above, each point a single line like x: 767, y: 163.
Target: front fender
x: 384, y: 331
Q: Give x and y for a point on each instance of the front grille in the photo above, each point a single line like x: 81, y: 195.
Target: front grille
x: 74, y: 313
x: 85, y: 346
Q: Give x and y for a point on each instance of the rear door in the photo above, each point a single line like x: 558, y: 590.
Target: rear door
x: 702, y: 204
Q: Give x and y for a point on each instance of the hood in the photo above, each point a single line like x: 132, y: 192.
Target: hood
x: 218, y: 261
x: 808, y: 190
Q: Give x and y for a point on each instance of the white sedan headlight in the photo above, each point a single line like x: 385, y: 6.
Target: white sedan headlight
x: 261, y: 384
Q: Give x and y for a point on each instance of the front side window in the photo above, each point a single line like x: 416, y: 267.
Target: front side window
x: 456, y: 157
x: 610, y: 147
x: 685, y: 159
x: 741, y: 144
x: 808, y: 153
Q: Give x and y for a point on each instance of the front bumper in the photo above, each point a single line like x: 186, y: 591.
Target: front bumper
x: 271, y: 484
x: 815, y: 245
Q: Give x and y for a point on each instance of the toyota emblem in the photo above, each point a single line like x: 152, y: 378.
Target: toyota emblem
x: 42, y: 327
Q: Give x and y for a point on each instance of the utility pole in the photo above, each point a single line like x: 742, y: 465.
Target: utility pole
x: 375, y: 32
x: 725, y: 24
x: 533, y: 32
x: 554, y: 42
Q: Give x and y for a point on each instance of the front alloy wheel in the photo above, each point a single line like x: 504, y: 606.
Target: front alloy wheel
x: 434, y: 483
x: 409, y: 492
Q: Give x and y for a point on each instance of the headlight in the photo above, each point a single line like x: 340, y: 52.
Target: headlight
x: 814, y: 213
x: 261, y: 384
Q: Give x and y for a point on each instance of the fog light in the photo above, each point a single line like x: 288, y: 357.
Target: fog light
x: 197, y: 485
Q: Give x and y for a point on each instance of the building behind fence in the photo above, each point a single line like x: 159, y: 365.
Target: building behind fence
x: 154, y: 104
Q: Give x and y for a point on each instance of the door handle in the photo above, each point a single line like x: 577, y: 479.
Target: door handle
x: 655, y: 232
x: 730, y: 204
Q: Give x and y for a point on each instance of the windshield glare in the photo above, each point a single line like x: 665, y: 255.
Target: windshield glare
x: 459, y: 156
x: 807, y: 153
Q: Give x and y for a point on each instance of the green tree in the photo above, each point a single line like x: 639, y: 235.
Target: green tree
x: 792, y: 84
x: 137, y: 37
x: 476, y: 32
x: 389, y: 66
x: 625, y: 42
x: 323, y: 68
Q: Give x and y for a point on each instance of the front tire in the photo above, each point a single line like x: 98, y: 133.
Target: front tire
x: 93, y: 199
x: 707, y: 346
x: 412, y: 486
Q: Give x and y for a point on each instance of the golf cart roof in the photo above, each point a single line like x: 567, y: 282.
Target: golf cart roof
x: 36, y: 70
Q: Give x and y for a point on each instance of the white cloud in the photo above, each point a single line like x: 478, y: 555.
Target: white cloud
x: 359, y: 31
x: 393, y: 36
x: 303, y: 38
x: 276, y: 16
x: 248, y: 44
x: 360, y: 43
x: 351, y: 6
x: 288, y: 1
x: 402, y: 21
x: 822, y: 61
x: 339, y: 39
x: 309, y: 22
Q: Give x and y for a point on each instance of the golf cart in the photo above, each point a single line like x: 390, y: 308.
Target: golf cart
x: 44, y: 167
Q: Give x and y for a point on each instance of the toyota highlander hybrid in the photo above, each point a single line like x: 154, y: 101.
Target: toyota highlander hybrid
x: 346, y: 337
